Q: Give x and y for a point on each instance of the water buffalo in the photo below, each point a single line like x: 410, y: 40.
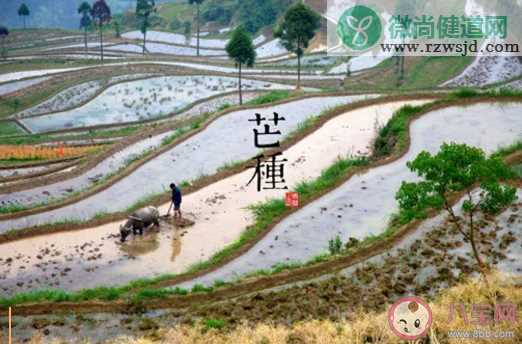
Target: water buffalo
x: 138, y: 221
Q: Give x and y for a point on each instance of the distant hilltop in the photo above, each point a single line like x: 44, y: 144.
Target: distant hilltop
x: 171, y: 15
x: 53, y: 13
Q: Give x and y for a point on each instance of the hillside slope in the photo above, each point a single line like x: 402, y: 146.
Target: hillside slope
x: 53, y: 13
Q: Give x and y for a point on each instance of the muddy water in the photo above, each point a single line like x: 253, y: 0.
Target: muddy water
x: 363, y: 205
x: 67, y: 187
x: 219, y: 210
x: 230, y: 138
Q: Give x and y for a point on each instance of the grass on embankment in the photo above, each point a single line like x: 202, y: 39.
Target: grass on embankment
x: 271, y: 97
x: 392, y: 138
x: 419, y: 73
x: 14, y: 105
x: 518, y: 170
x: 9, y: 128
x: 88, y: 135
x: 56, y: 295
x: 394, y: 135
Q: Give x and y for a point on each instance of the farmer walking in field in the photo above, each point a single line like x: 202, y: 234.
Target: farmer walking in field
x: 176, y: 201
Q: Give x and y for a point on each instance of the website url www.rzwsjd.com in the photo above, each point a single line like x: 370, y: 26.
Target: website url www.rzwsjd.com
x: 464, y: 49
x: 481, y: 334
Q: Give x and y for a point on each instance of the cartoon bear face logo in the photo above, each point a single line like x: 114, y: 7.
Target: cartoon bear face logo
x: 410, y: 318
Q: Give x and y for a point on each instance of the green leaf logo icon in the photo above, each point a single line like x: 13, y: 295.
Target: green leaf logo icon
x: 359, y: 28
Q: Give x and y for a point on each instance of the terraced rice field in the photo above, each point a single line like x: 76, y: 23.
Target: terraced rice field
x: 15, y: 86
x: 142, y: 100
x: 220, y: 211
x: 297, y: 238
x: 75, y: 95
x: 174, y: 38
x: 185, y: 162
x: 67, y: 188
x: 356, y: 209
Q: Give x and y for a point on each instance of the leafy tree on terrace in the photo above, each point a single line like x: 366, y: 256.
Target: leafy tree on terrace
x: 255, y: 14
x: 458, y: 168
x: 299, y: 26
x: 197, y: 3
x: 144, y: 8
x: 219, y: 11
x: 24, y: 12
x: 85, y: 23
x: 187, y: 31
x: 405, y: 9
x: 101, y: 15
x: 241, y: 49
x: 117, y: 28
x: 4, y: 32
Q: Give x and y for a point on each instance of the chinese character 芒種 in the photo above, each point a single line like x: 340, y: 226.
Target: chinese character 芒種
x: 266, y: 130
x: 269, y: 174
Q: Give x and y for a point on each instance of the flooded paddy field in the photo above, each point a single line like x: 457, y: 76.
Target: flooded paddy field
x: 23, y: 171
x: 75, y: 95
x: 14, y: 76
x: 11, y: 87
x: 175, y: 38
x: 142, y: 100
x: 322, y: 60
x: 220, y: 211
x: 160, y: 48
x: 364, y: 205
x: 68, y: 187
x: 200, y: 155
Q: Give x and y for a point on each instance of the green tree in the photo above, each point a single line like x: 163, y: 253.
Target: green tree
x: 175, y: 24
x: 23, y: 12
x: 197, y: 3
x: 101, y: 15
x: 241, y: 49
x: 144, y: 8
x: 300, y: 23
x: 406, y: 10
x: 187, y: 30
x: 255, y: 14
x: 85, y: 23
x: 458, y: 168
x: 219, y: 11
x: 4, y: 32
x: 117, y: 29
